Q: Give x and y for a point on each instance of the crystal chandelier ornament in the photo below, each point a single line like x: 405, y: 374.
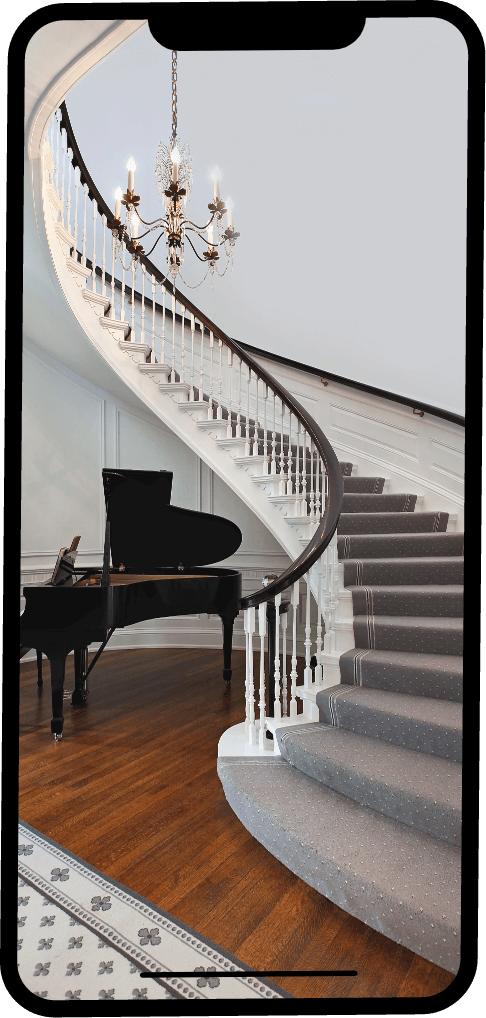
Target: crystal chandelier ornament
x: 173, y: 175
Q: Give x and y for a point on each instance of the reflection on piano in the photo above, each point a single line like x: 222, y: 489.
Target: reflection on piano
x: 158, y: 552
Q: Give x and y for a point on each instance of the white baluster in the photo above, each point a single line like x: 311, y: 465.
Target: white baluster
x: 132, y: 302
x: 303, y: 504
x: 77, y: 183
x: 250, y: 729
x: 297, y: 506
x: 229, y: 430
x: 113, y: 255
x: 201, y: 367
x: 142, y: 321
x: 173, y: 373
x: 254, y: 448
x: 262, y: 631
x: 312, y: 513
x: 273, y: 466
x: 265, y: 438
x: 219, y: 412
x: 191, y: 391
x: 83, y: 257
x: 307, y: 641
x: 210, y: 406
x: 68, y: 207
x: 103, y: 264
x: 293, y: 673
x: 183, y: 351
x: 122, y: 309
x: 318, y: 674
x: 153, y: 319
x: 162, y: 339
x: 282, y: 484
x: 247, y: 429
x: 238, y: 415
x: 64, y: 148
x: 284, y: 620
x: 58, y: 135
x: 93, y: 260
x: 289, y: 458
x: 277, y: 707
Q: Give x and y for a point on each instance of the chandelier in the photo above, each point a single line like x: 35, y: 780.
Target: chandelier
x: 173, y: 174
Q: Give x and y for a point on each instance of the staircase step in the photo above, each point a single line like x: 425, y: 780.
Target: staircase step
x: 423, y: 635
x: 445, y: 569
x: 400, y: 881
x: 391, y: 523
x: 430, y: 601
x: 424, y: 724
x: 346, y: 469
x: 357, y: 502
x: 432, y: 675
x: 419, y: 790
x: 372, y: 485
x: 373, y: 546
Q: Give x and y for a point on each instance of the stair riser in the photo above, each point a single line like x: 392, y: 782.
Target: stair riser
x: 424, y: 603
x: 368, y: 485
x: 391, y: 523
x: 390, y: 546
x: 442, y: 679
x: 401, y: 571
x: 410, y: 637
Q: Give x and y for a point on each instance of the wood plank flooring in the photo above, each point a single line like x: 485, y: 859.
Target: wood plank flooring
x: 132, y: 788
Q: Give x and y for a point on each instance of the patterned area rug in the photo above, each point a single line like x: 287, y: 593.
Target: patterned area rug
x: 83, y: 936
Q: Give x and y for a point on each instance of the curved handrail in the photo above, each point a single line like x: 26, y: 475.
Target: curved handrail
x: 329, y: 520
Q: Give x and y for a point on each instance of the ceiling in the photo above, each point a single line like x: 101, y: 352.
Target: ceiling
x: 347, y: 169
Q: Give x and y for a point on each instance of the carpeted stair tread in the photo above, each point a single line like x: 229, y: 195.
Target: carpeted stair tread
x: 373, y: 546
x: 415, y: 788
x: 368, y: 485
x: 391, y: 523
x: 346, y: 469
x: 359, y: 502
x: 432, y: 675
x: 427, y: 601
x: 395, y: 632
x: 441, y: 569
x: 399, y: 880
x: 424, y: 724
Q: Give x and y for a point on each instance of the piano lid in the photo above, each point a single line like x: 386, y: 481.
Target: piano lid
x: 146, y: 532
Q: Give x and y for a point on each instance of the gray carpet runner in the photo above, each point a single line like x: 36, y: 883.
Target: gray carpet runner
x: 365, y: 805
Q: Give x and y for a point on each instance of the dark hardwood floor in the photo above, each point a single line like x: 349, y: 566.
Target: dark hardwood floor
x: 132, y: 788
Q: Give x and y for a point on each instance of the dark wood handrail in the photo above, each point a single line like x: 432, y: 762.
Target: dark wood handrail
x: 329, y: 519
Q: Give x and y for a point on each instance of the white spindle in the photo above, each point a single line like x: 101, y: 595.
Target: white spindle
x: 229, y: 431
x: 277, y: 708
x: 250, y: 687
x: 173, y: 374
x: 162, y: 341
x: 210, y: 406
x: 83, y: 257
x: 77, y: 183
x: 219, y: 412
x: 318, y: 675
x: 153, y: 322
x: 64, y: 148
x: 254, y: 447
x: 265, y: 438
x: 142, y: 321
x: 93, y: 266
x: 284, y: 620
x: 247, y: 430
x: 303, y: 504
x: 113, y: 255
x: 103, y: 263
x: 273, y: 467
x: 58, y: 135
x: 183, y: 345
x: 122, y: 308
x: 293, y: 674
x: 132, y: 301
x: 191, y: 392
x: 307, y: 641
x: 68, y: 206
x: 238, y: 415
x: 297, y: 470
x: 262, y: 632
x: 289, y: 457
x: 201, y: 366
x: 282, y: 485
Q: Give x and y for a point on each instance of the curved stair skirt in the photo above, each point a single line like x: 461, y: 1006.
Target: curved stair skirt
x: 379, y: 772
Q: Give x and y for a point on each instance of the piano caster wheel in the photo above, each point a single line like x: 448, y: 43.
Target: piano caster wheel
x: 56, y: 728
x: 57, y: 737
x: 78, y: 698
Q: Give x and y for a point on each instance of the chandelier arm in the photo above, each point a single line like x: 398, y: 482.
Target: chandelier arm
x: 195, y: 252
x: 151, y: 222
x: 152, y: 248
x: 202, y: 228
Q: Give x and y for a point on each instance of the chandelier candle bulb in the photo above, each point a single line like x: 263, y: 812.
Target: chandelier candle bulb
x: 210, y: 234
x: 131, y: 167
x: 135, y: 222
x: 118, y: 197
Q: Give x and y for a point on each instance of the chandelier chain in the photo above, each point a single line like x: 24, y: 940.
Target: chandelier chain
x: 174, y: 93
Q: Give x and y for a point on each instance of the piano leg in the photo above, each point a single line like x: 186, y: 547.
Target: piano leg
x: 58, y: 664
x: 39, y: 668
x: 228, y: 623
x: 78, y: 698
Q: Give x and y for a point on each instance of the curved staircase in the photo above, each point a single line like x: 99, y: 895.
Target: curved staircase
x: 359, y: 794
x: 380, y: 772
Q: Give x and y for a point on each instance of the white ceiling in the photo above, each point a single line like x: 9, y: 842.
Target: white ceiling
x: 348, y: 173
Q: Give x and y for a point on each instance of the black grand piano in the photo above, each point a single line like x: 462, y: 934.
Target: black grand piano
x: 158, y: 554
